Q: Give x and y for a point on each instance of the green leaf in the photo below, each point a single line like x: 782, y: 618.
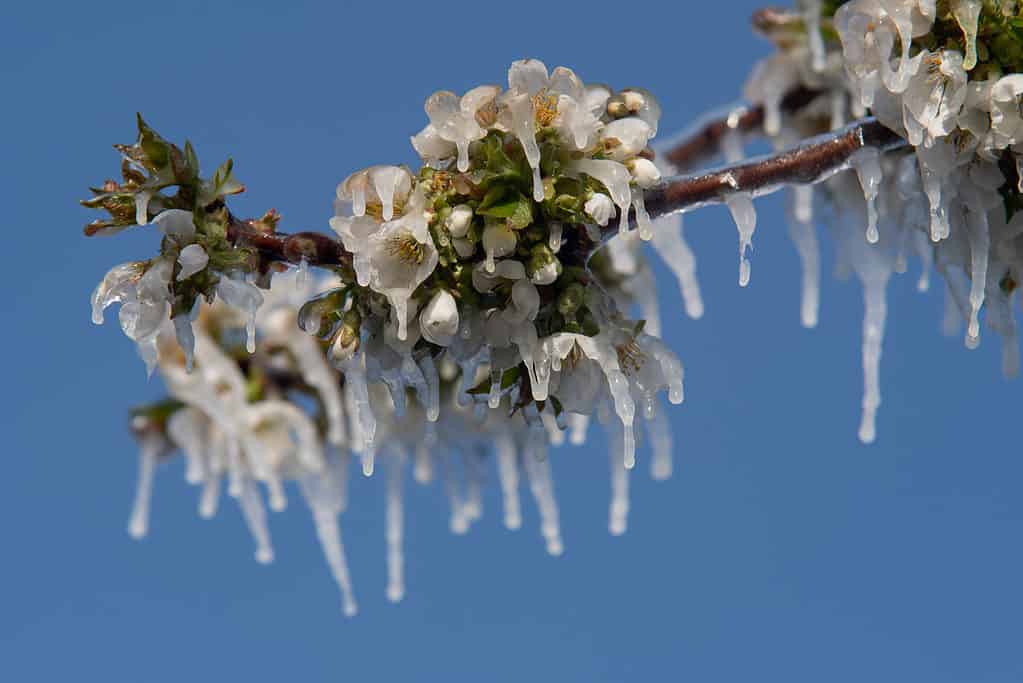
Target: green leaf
x: 514, y: 207
x: 508, y: 378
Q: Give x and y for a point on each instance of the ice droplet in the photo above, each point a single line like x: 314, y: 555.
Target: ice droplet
x: 745, y: 217
x: 867, y: 163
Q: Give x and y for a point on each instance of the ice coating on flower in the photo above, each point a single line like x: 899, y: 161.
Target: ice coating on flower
x: 192, y: 259
x: 378, y: 189
x: 600, y: 208
x: 457, y: 121
x: 439, y: 320
x: 245, y: 297
x: 117, y: 285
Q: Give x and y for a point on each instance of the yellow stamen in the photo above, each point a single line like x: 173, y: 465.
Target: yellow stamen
x: 545, y: 108
x: 406, y: 249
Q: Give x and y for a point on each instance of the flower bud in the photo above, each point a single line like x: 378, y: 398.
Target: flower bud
x: 543, y: 267
x: 600, y: 208
x: 346, y: 343
x: 316, y: 317
x: 438, y: 322
x: 571, y: 299
x: 643, y: 171
x: 459, y: 220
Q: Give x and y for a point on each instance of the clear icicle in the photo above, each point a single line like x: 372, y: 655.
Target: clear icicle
x: 138, y: 524
x: 646, y: 228
x: 328, y: 531
x: 745, y: 217
x: 395, y: 532
x: 812, y: 20
x: 659, y: 434
x: 210, y: 496
x: 254, y: 513
x: 867, y: 163
x: 804, y: 236
x: 578, y: 424
x: 508, y: 473
x: 618, y: 512
x: 874, y: 314
x: 431, y: 400
x: 967, y: 15
x: 302, y: 274
x: 538, y: 471
x: 669, y: 241
x: 554, y: 238
x: 980, y: 244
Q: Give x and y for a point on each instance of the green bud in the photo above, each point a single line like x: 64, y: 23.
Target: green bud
x: 571, y: 299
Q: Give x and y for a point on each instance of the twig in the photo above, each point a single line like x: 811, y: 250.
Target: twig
x: 705, y: 141
x: 811, y: 162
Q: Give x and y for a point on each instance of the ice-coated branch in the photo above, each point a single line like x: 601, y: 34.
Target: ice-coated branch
x: 811, y: 162
x: 313, y: 248
x: 706, y: 139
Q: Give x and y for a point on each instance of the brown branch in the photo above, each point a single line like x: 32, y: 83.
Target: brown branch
x: 811, y: 162
x: 316, y: 249
x: 705, y: 141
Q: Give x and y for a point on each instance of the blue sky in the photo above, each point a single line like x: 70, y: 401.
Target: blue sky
x: 782, y: 549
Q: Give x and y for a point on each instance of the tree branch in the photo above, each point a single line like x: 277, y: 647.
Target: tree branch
x: 811, y: 162
x: 316, y: 249
x: 705, y: 141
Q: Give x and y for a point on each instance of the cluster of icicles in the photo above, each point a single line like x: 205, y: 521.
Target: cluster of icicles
x: 938, y: 199
x: 226, y: 436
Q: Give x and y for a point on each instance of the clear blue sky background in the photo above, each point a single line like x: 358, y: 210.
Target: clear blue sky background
x: 782, y: 550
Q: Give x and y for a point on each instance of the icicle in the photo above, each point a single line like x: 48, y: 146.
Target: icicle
x: 579, y: 424
x: 613, y: 176
x: 494, y: 399
x: 659, y: 434
x: 138, y: 524
x: 933, y: 188
x: 432, y: 381
x: 458, y: 523
x: 474, y: 487
x: 967, y: 14
x: 731, y: 143
x: 210, y: 496
x: 554, y: 238
x: 875, y: 311
x: 368, y: 461
x: 302, y: 274
x: 255, y: 517
x: 357, y: 393
x: 619, y: 509
x: 926, y: 255
x: 867, y: 163
x: 837, y: 101
x: 538, y: 471
x: 745, y: 217
x: 508, y: 473
x: 186, y: 338
x: 329, y: 533
x: 804, y: 236
x: 142, y: 206
x: 395, y: 558
x: 646, y: 228
x: 669, y: 242
x: 812, y: 20
x: 980, y: 243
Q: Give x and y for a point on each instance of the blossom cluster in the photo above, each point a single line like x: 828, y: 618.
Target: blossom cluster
x: 483, y: 313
